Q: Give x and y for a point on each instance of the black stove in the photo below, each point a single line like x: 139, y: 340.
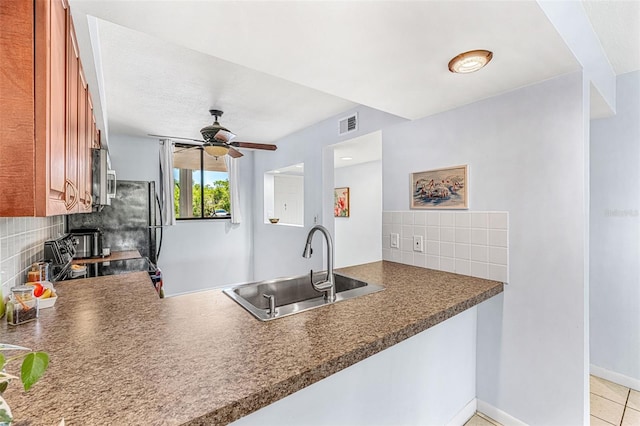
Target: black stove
x: 59, y: 253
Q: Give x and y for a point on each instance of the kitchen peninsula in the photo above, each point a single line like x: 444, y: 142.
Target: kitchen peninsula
x: 120, y: 355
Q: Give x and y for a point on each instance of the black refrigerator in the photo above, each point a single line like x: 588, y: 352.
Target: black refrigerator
x: 131, y: 222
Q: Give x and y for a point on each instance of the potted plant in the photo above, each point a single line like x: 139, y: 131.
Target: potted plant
x: 34, y: 364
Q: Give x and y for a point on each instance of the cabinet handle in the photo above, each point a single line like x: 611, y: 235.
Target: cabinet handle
x: 89, y: 201
x: 72, y: 200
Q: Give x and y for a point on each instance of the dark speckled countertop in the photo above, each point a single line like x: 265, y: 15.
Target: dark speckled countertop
x: 122, y: 356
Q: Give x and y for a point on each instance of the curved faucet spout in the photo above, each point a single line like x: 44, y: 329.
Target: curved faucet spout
x: 328, y: 287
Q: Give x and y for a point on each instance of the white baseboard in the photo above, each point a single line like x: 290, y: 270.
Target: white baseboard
x: 498, y: 415
x: 464, y: 415
x: 614, y: 377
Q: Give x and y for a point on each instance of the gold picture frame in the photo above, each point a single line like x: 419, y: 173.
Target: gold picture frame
x: 446, y: 188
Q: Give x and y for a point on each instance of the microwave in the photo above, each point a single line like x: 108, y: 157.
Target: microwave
x: 104, y: 179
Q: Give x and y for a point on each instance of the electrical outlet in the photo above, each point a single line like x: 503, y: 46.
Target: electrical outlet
x: 395, y: 240
x: 417, y: 243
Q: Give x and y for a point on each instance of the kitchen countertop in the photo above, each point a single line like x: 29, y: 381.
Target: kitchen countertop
x: 115, y: 255
x: 121, y: 355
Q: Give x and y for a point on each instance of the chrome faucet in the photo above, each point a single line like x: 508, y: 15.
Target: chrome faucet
x: 328, y: 286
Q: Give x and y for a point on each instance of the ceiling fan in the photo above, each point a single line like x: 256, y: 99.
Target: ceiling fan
x: 218, y: 141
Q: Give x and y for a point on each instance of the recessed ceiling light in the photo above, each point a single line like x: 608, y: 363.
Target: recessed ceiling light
x: 346, y: 158
x: 299, y: 166
x: 470, y: 61
x: 276, y: 171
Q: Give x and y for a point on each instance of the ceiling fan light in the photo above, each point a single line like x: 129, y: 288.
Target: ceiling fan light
x: 216, y: 150
x: 470, y: 61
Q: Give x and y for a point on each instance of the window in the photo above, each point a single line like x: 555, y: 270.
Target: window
x: 201, y: 184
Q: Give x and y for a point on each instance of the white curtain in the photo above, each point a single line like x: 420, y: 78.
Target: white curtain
x: 166, y: 182
x: 234, y: 175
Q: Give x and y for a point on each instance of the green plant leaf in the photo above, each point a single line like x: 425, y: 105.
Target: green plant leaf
x: 33, y: 367
x: 3, y: 361
x: 5, y: 417
x: 3, y: 386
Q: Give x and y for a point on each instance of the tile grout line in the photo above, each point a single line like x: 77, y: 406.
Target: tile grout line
x: 609, y: 423
x: 624, y: 410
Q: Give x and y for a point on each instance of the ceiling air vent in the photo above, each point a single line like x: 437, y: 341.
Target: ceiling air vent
x: 349, y: 124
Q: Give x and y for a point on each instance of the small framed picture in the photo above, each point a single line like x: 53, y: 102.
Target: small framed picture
x: 440, y: 189
x: 341, y: 202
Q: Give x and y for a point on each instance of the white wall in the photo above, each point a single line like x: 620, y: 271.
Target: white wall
x: 615, y: 235
x: 357, y: 238
x: 427, y: 379
x: 288, y: 199
x: 195, y: 255
x: 278, y: 249
x: 526, y: 155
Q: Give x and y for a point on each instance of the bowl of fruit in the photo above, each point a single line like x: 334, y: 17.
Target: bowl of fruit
x: 44, y: 291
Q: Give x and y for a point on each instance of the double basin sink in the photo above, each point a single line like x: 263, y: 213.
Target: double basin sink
x: 294, y: 294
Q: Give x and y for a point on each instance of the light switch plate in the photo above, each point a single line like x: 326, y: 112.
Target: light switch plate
x: 395, y: 240
x: 418, y: 243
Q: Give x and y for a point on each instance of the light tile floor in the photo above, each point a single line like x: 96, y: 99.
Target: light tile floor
x: 611, y: 404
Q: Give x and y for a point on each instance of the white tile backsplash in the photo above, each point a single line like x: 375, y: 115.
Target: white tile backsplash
x: 407, y: 257
x: 468, y: 243
x: 463, y: 235
x: 498, y: 255
x: 463, y: 220
x: 447, y: 234
x: 396, y: 218
x: 462, y: 251
x: 433, y: 218
x: 433, y: 247
x: 407, y: 218
x: 498, y: 238
x: 22, y: 243
x: 446, y: 249
x: 420, y: 218
x: 479, y: 253
x: 479, y: 236
x: 447, y: 264
x: 498, y: 220
x: 479, y: 220
x: 447, y: 219
x: 386, y: 218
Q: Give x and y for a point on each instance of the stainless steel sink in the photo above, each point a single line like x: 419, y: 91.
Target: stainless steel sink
x: 294, y: 294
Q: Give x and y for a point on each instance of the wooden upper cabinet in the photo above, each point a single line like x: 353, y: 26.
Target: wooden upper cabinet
x: 45, y: 132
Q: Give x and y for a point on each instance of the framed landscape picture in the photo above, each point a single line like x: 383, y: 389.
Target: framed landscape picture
x: 341, y: 202
x: 440, y: 189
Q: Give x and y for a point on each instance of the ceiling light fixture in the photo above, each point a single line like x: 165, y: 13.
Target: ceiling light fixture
x: 346, y: 158
x: 216, y: 149
x: 470, y: 61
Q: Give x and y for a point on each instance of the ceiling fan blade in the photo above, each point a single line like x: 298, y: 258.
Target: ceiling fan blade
x: 253, y: 145
x: 175, y: 137
x: 234, y: 153
x: 187, y: 148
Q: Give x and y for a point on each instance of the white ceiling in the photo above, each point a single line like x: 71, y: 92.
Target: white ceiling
x: 617, y: 24
x: 277, y: 67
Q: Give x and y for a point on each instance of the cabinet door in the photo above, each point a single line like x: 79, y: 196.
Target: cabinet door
x: 51, y: 112
x: 73, y: 72
x: 84, y: 188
